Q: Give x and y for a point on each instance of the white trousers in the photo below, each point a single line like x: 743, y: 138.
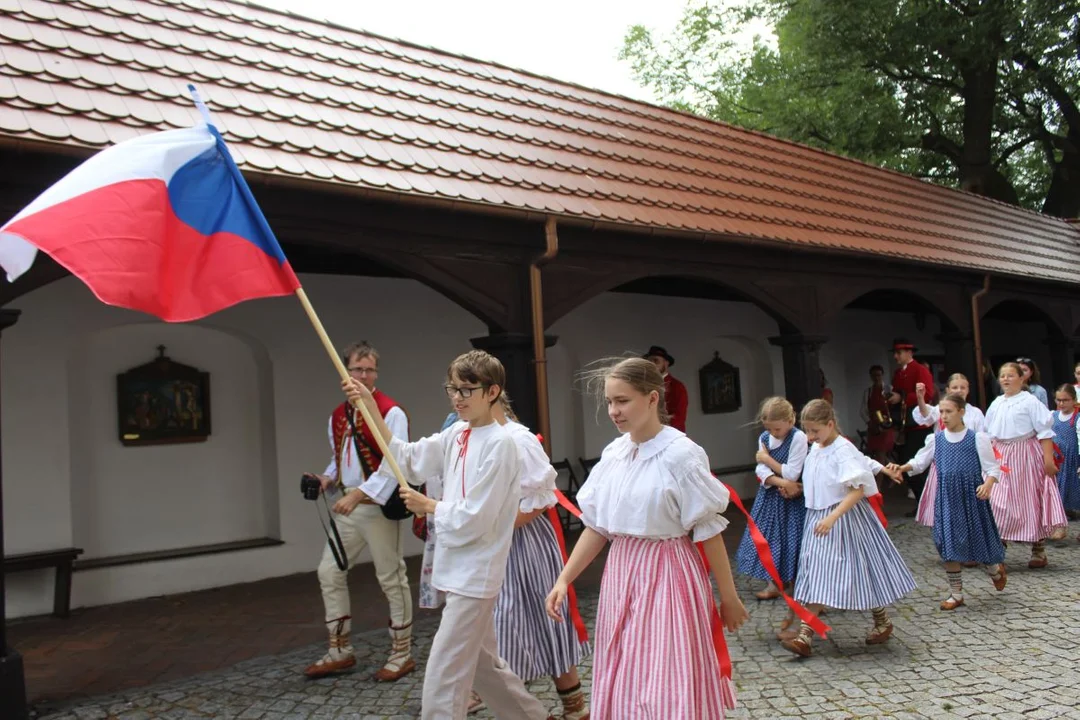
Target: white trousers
x: 367, y: 527
x: 464, y: 656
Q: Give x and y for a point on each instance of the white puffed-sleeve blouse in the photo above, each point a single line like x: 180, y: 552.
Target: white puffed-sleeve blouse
x: 660, y: 489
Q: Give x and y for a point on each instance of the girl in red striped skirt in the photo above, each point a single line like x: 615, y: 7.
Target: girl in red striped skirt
x: 654, y: 651
x: 1026, y: 503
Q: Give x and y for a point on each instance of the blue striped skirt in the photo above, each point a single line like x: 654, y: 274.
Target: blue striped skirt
x: 854, y: 567
x: 531, y: 643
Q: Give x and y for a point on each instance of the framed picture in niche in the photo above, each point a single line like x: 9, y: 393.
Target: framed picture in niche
x: 163, y: 402
x: 721, y: 391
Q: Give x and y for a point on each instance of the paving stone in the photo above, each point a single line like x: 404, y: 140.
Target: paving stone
x: 937, y: 665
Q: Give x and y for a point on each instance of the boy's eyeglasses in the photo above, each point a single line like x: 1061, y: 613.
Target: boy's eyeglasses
x: 464, y: 391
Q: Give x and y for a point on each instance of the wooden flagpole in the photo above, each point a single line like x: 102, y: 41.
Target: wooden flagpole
x: 344, y: 373
x: 256, y: 211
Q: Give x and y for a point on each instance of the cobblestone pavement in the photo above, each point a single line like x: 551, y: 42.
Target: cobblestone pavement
x: 1009, y: 656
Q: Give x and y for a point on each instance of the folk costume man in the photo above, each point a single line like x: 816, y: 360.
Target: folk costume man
x: 677, y: 399
x: 909, y: 373
x: 365, y: 486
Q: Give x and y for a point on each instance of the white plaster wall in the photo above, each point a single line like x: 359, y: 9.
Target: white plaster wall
x: 51, y: 424
x: 618, y: 324
x: 190, y: 494
x: 273, y: 388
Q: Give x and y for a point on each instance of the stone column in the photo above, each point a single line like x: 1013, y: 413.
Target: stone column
x: 12, y: 681
x: 515, y: 351
x: 960, y: 358
x: 802, y: 367
x: 1062, y: 362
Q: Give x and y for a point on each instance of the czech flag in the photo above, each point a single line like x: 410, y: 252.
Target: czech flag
x: 163, y: 223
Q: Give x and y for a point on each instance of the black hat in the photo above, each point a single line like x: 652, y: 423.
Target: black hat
x: 659, y: 352
x: 902, y: 343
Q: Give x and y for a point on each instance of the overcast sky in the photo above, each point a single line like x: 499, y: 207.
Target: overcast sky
x: 573, y: 40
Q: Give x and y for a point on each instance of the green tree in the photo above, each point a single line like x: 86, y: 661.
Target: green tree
x: 978, y: 94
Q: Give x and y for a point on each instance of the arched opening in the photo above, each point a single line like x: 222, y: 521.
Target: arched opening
x: 59, y: 370
x: 150, y: 499
x: 861, y: 336
x: 696, y: 319
x: 1013, y: 328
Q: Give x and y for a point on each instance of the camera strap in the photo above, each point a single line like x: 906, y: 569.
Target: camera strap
x: 337, y: 547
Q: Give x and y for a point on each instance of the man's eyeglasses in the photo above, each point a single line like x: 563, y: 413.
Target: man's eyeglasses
x: 364, y: 371
x: 464, y: 391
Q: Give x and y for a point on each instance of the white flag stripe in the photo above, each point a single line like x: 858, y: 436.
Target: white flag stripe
x: 16, y: 255
x: 141, y: 158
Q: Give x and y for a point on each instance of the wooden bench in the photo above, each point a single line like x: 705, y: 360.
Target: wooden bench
x: 63, y: 560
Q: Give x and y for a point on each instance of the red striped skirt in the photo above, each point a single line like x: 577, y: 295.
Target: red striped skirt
x: 1025, y: 500
x: 654, y: 654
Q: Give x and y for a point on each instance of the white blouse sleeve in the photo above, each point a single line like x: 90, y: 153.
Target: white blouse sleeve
x: 586, y: 497
x: 471, y: 519
x: 331, y: 469
x: 537, y: 475
x: 976, y: 417
x: 874, y: 465
x: 382, y: 483
x: 854, y: 471
x: 1042, y: 420
x: 762, y: 471
x: 925, y: 455
x: 701, y: 497
x: 423, y: 458
x: 991, y: 466
x: 928, y: 419
x: 792, y: 469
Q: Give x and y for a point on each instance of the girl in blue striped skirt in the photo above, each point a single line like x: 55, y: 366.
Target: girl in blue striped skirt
x: 964, y: 527
x: 530, y: 642
x: 778, y: 509
x: 846, y: 561
x: 1066, y: 439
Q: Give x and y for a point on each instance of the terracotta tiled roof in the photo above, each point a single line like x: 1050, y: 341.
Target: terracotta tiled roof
x: 306, y: 99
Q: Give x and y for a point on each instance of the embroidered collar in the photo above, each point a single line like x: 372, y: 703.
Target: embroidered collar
x: 653, y: 446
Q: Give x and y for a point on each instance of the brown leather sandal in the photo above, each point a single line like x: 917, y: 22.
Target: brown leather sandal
x: 879, y: 634
x: 1000, y: 579
x: 951, y: 603
x: 798, y: 645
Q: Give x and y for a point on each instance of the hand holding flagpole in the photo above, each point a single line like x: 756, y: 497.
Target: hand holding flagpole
x: 300, y: 294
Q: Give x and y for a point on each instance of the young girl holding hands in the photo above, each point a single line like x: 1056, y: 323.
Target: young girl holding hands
x: 967, y: 470
x: 654, y: 652
x: 846, y: 561
x: 930, y: 415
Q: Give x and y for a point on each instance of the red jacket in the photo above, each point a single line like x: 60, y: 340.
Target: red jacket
x: 905, y: 379
x: 677, y: 400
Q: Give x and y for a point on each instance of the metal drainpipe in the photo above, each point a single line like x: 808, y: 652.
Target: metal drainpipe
x: 977, y: 337
x: 543, y: 419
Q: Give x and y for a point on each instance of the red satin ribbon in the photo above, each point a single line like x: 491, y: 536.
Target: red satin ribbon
x: 716, y: 624
x: 997, y: 456
x: 571, y: 596
x: 761, y: 545
x: 764, y: 554
x: 877, y: 503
